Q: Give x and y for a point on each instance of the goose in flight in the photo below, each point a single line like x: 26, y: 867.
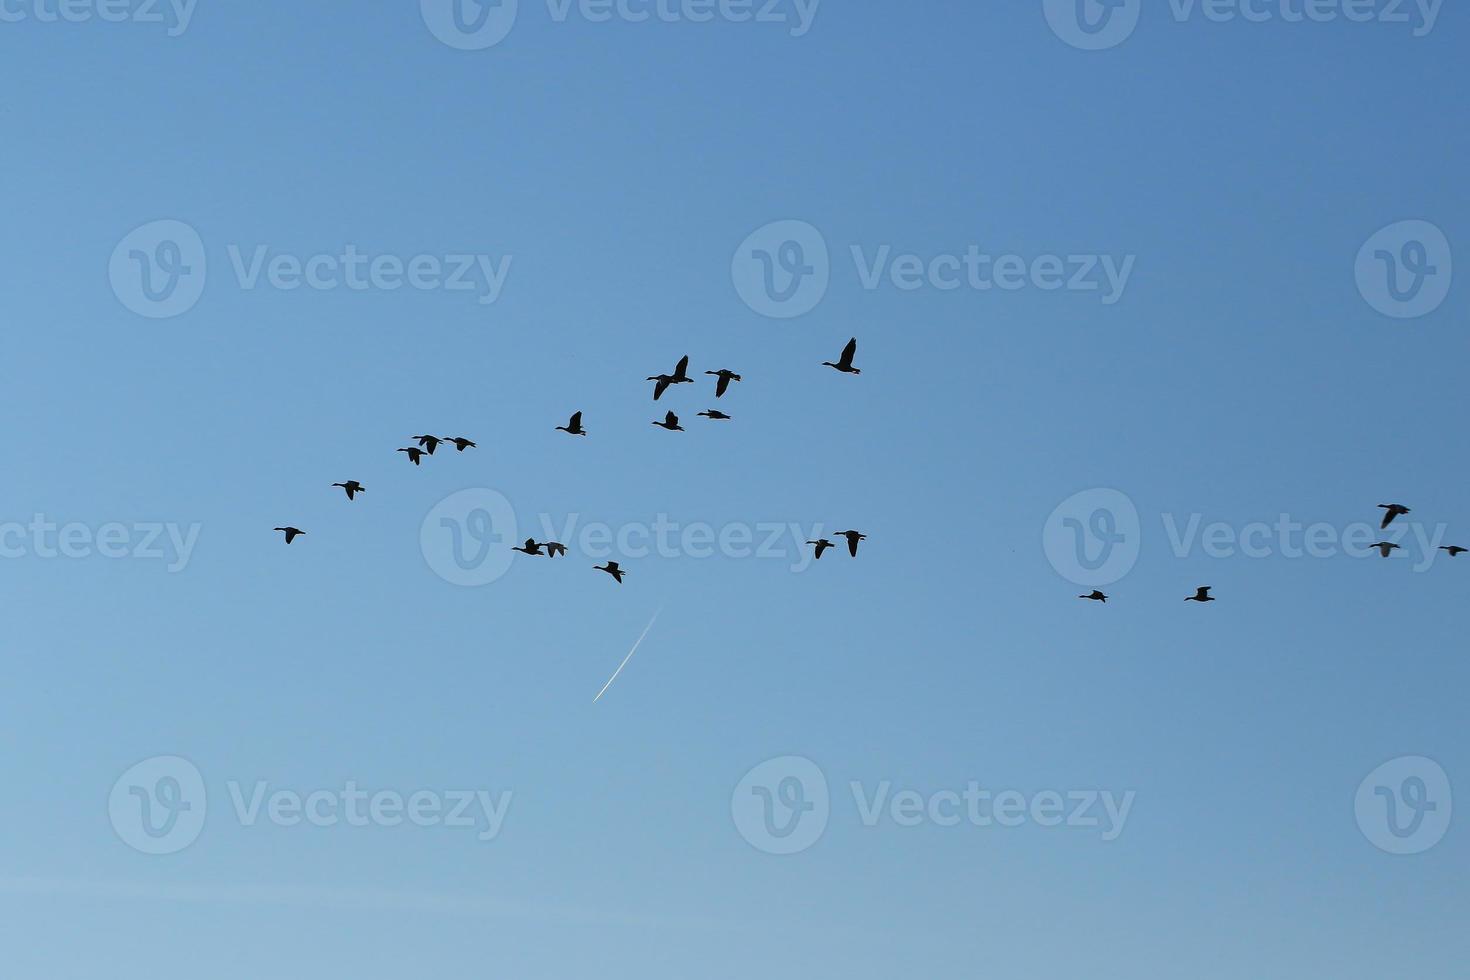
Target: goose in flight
x: 1096, y: 596
x: 460, y: 443
x: 1202, y: 594
x: 670, y: 422
x: 291, y: 532
x: 844, y: 363
x: 1454, y: 550
x: 723, y: 384
x: 679, y: 377
x: 574, y: 427
x: 612, y: 569
x: 430, y: 443
x: 822, y: 545
x: 554, y: 548
x: 352, y: 487
x: 853, y: 537
x: 529, y: 548
x: 414, y: 454
x: 715, y: 414
x: 1386, y: 548
x: 1390, y: 512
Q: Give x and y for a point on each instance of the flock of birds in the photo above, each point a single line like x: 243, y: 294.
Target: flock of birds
x: 1385, y: 548
x: 427, y: 444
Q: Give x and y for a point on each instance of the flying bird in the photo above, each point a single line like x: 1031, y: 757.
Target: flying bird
x: 430, y: 443
x: 822, y: 545
x: 1454, y: 550
x: 844, y: 363
x: 460, y: 443
x: 1386, y: 548
x: 679, y: 377
x: 574, y: 427
x: 670, y: 422
x: 1392, y: 511
x: 291, y: 532
x: 414, y: 454
x: 529, y: 548
x: 1096, y: 596
x: 352, y: 487
x: 554, y: 548
x: 715, y: 414
x: 1202, y: 594
x: 612, y: 569
x: 853, y: 537
x: 723, y: 384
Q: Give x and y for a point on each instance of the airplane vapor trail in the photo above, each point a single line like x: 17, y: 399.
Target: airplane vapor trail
x: 628, y: 657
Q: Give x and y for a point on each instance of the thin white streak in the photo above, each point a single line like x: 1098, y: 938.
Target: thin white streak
x: 628, y: 657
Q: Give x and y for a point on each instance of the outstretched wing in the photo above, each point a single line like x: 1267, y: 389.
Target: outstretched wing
x: 576, y: 422
x: 852, y: 543
x: 659, y: 389
x: 671, y: 419
x: 723, y: 384
x: 683, y: 366
x: 849, y: 352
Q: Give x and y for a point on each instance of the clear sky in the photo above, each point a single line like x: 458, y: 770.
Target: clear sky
x: 1234, y: 169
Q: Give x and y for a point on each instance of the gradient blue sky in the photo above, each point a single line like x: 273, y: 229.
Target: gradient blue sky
x: 1241, y: 377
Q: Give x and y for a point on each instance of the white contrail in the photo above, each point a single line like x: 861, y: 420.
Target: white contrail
x: 628, y: 657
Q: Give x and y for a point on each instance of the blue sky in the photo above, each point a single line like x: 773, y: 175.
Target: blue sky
x: 615, y: 171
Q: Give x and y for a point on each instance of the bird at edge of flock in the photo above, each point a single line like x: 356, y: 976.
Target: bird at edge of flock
x: 291, y: 532
x: 612, y: 569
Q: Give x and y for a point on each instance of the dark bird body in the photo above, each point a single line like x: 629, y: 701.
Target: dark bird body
x: 612, y: 569
x: 529, y: 548
x: 723, y: 385
x: 1096, y: 596
x: 1390, y: 512
x: 853, y: 537
x: 573, y: 427
x: 430, y: 443
x: 844, y: 363
x: 1386, y: 548
x: 822, y: 545
x: 670, y: 422
x: 1202, y: 594
x: 715, y: 414
x: 352, y: 487
x: 414, y: 454
x: 291, y: 532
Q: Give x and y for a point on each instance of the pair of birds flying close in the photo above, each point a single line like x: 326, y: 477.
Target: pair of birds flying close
x: 853, y: 537
x: 1202, y: 594
x: 427, y: 444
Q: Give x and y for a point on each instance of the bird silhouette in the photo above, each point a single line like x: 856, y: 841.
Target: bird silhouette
x: 715, y: 414
x: 430, y: 443
x: 670, y: 422
x: 554, y: 548
x: 723, y: 385
x: 1386, y: 548
x: 529, y: 548
x: 1454, y: 550
x: 291, y: 532
x: 679, y: 377
x: 1096, y: 596
x: 460, y: 443
x: 1392, y: 511
x: 822, y: 545
x: 574, y: 427
x: 414, y: 454
x: 612, y: 569
x: 352, y: 487
x: 853, y: 537
x: 844, y: 363
x: 1202, y: 594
